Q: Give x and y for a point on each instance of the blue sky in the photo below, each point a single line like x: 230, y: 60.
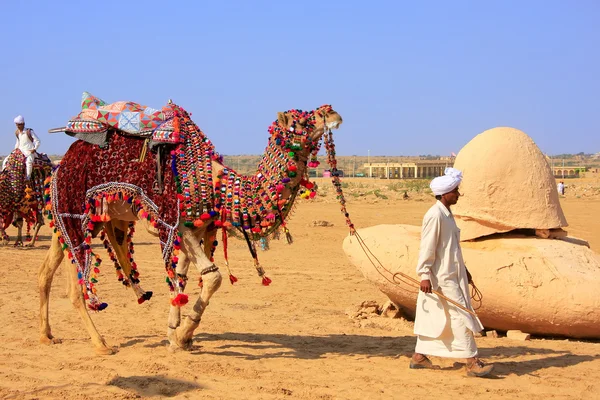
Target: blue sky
x: 408, y: 77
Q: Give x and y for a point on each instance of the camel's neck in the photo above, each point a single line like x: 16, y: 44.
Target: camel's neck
x: 259, y: 203
x: 262, y: 202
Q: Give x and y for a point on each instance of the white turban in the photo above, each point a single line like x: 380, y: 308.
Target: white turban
x: 19, y: 119
x: 446, y: 183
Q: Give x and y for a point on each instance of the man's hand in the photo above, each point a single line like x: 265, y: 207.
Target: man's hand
x: 426, y: 286
x: 469, y: 277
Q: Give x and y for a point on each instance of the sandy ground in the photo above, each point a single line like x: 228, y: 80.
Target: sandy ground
x: 290, y: 340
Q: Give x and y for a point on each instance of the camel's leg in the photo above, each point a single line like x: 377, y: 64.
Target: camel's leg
x: 51, y: 263
x: 116, y: 231
x: 19, y: 224
x: 211, y: 278
x: 175, y: 312
x: 78, y: 301
x: 3, y: 236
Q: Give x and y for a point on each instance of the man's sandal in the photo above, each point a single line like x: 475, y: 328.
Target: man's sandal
x: 424, y: 363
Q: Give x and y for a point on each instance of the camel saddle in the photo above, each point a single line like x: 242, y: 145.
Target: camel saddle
x: 97, y: 118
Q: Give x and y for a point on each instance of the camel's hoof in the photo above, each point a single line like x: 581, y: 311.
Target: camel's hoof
x: 18, y: 244
x: 49, y: 340
x: 186, y: 345
x: 106, y: 351
x: 174, y: 348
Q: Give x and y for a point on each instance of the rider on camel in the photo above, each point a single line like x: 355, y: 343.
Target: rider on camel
x: 27, y: 142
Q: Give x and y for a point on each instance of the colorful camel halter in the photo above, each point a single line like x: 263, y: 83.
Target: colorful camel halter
x: 253, y: 207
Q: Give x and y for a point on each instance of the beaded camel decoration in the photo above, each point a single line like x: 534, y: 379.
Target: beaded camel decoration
x: 20, y: 202
x: 135, y: 163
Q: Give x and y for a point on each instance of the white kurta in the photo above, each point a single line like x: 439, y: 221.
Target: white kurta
x: 27, y: 147
x: 443, y: 329
x: 24, y: 144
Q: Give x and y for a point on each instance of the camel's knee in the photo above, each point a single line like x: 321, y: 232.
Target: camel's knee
x: 211, y: 281
x: 46, y: 273
x: 75, y: 295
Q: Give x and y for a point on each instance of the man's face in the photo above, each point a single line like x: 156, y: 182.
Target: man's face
x: 452, y: 197
x: 20, y: 126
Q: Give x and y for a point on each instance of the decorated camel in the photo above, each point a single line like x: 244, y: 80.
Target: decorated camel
x: 19, y: 201
x: 136, y: 163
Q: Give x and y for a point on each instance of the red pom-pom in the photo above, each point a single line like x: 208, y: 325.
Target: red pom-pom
x: 180, y: 300
x: 309, y: 185
x: 232, y: 279
x: 205, y: 216
x: 312, y: 195
x: 266, y: 281
x: 218, y: 223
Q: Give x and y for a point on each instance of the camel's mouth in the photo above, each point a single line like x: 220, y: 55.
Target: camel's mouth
x: 333, y: 124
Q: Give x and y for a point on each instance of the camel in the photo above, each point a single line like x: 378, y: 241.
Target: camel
x: 22, y: 201
x: 186, y: 198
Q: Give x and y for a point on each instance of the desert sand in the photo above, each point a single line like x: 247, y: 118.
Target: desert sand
x: 293, y: 339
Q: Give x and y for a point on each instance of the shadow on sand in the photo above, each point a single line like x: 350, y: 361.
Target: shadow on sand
x: 253, y: 346
x: 157, y: 385
x: 554, y: 358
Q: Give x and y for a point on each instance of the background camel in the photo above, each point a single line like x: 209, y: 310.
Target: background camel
x: 182, y: 189
x: 19, y: 202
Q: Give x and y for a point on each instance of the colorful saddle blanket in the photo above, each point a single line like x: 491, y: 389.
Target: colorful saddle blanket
x: 97, y: 117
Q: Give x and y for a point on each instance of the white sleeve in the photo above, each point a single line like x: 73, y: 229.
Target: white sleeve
x: 17, y: 144
x: 429, y: 241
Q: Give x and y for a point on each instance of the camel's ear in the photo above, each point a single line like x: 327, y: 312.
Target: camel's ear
x: 282, y: 118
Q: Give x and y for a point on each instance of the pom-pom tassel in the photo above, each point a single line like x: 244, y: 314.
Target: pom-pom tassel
x: 97, y: 306
x: 288, y: 236
x: 232, y: 279
x: 144, y: 297
x: 266, y: 281
x: 180, y: 300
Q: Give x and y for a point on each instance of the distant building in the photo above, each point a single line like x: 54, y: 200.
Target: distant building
x: 412, y: 169
x: 568, y: 172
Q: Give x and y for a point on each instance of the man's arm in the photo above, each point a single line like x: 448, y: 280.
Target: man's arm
x: 17, y: 144
x: 36, y: 140
x: 430, y: 234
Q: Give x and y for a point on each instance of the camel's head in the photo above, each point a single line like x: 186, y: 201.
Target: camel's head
x: 298, y: 130
x: 325, y: 118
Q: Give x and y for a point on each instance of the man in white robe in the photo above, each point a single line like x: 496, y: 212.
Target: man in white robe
x: 27, y: 142
x: 443, y: 329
